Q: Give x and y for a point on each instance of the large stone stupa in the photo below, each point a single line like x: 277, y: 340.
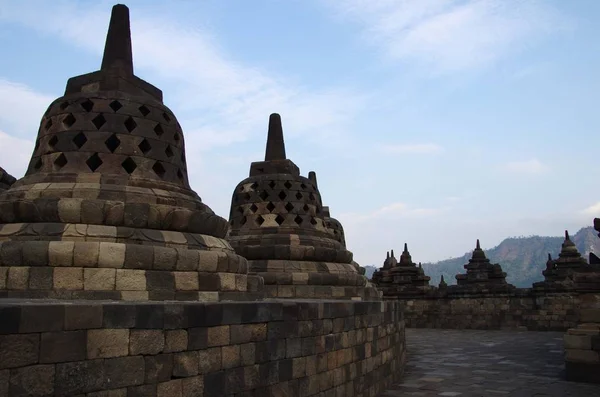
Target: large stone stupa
x: 278, y: 224
x: 105, y: 210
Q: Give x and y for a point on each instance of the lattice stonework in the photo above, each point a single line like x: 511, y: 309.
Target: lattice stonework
x: 274, y: 203
x: 114, y: 136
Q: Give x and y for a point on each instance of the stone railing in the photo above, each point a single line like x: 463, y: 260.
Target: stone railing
x: 517, y: 308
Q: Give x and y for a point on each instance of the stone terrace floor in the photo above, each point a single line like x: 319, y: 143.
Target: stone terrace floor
x: 472, y: 363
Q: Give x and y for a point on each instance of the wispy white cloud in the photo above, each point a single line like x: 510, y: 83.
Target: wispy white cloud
x: 22, y: 108
x: 220, y: 100
x: 451, y: 35
x: 592, y: 210
x: 532, y: 166
x: 419, y: 148
x: 15, y: 154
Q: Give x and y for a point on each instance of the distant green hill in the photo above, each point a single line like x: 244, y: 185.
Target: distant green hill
x: 522, y: 258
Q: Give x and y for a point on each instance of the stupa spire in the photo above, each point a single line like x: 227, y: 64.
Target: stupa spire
x: 118, y: 55
x: 405, y: 248
x: 312, y: 176
x: 275, y: 144
x: 567, y: 235
x: 478, y: 247
x: 392, y: 253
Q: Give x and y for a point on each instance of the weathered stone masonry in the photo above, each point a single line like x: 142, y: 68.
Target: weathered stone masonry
x: 200, y: 349
x: 117, y: 281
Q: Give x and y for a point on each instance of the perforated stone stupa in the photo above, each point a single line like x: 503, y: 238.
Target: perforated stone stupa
x: 6, y: 179
x: 105, y: 210
x: 278, y: 224
x: 481, y: 274
x: 402, y: 277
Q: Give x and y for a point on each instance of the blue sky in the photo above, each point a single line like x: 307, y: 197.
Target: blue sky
x: 431, y: 122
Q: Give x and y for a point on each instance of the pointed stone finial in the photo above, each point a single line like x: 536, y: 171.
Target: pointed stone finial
x: 392, y: 253
x: 117, y: 51
x: 388, y: 255
x: 405, y: 247
x: 442, y: 280
x: 312, y: 176
x: 567, y: 235
x: 275, y: 144
x: 420, y: 267
x: 549, y: 256
x: 478, y: 247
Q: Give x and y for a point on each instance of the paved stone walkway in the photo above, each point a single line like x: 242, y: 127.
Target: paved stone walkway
x: 467, y: 363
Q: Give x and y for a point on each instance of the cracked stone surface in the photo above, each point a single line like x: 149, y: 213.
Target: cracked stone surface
x: 469, y: 363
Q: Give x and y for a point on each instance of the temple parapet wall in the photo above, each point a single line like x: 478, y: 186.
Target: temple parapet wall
x: 519, y: 308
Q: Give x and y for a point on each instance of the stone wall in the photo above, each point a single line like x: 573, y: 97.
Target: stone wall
x: 195, y: 349
x: 521, y: 308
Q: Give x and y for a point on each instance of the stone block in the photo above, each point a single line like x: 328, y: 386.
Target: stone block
x: 159, y: 368
x: 86, y: 316
x: 18, y: 278
x: 10, y: 319
x: 36, y: 254
x: 40, y: 278
x: 60, y: 253
x: 95, y: 279
x: 150, y: 316
x: 244, y: 333
x: 146, y: 341
x: 210, y: 360
x: 585, y: 356
x: 109, y: 393
x: 4, y: 377
x: 124, y: 372
x: 142, y: 391
x: 218, y: 336
x: 186, y: 281
x: 42, y: 318
x: 85, y: 254
x: 56, y: 347
x: 79, y: 377
x: 192, y: 386
x: 3, y: 277
x: 582, y: 342
x: 119, y: 315
x: 590, y: 315
x: 19, y: 350
x: 172, y: 388
x: 248, y: 354
x: 106, y: 343
x: 112, y: 255
x: 176, y: 340
x: 130, y: 280
x: 230, y: 356
x: 185, y: 364
x: 70, y: 278
x: 37, y: 380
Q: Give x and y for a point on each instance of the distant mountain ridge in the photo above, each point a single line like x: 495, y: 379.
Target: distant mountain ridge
x: 522, y: 258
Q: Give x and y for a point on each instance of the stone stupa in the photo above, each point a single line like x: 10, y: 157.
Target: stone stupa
x: 6, y: 179
x: 105, y: 209
x: 278, y: 224
x: 403, y: 277
x: 481, y: 274
x: 559, y: 272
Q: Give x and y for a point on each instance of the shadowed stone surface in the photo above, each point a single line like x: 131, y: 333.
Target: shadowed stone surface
x: 486, y: 363
x: 278, y: 224
x: 105, y: 210
x: 397, y: 278
x: 6, y: 180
